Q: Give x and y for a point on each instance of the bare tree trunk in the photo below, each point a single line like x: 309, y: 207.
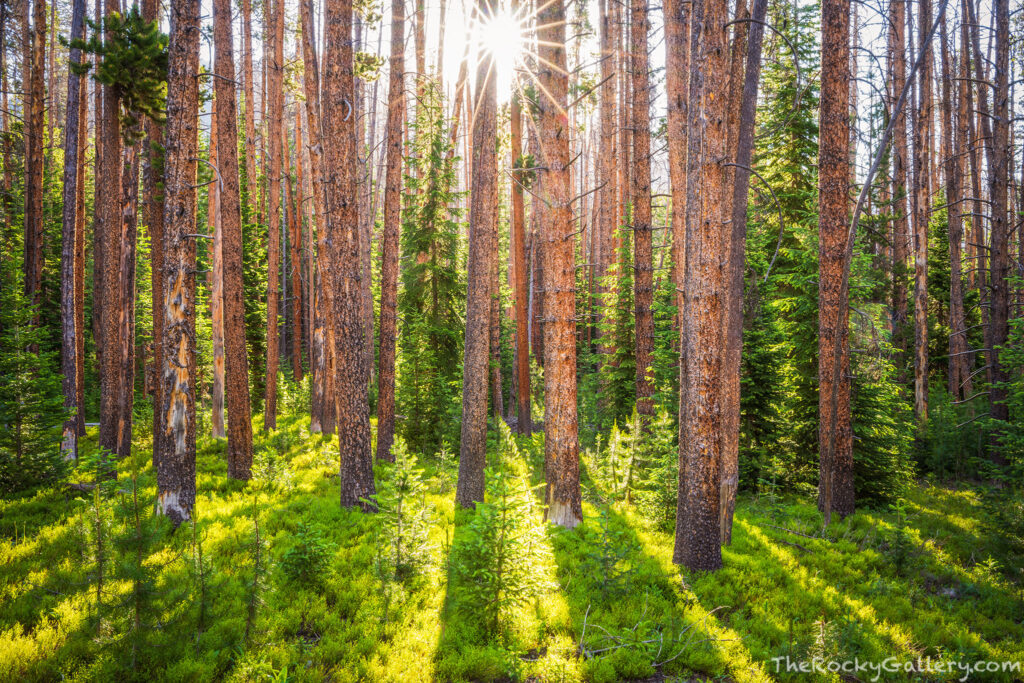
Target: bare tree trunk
x: 537, y: 284
x: 922, y: 212
x: 345, y: 271
x: 276, y: 101
x: 999, y: 179
x: 524, y: 419
x: 389, y: 250
x: 33, y: 99
x: 737, y: 255
x: 251, y: 169
x: 83, y: 140
x: 129, y: 228
x: 482, y: 250
x: 112, y: 430
x: 835, y: 489
x: 98, y: 213
x: 295, y: 247
x: 217, y: 284
x: 698, y: 532
x: 176, y: 470
x: 900, y: 226
x: 70, y: 241
x: 677, y: 51
x: 236, y: 378
x: 561, y: 438
x: 640, y: 191
x: 607, y: 178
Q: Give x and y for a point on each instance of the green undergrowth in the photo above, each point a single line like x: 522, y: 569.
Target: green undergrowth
x: 275, y: 581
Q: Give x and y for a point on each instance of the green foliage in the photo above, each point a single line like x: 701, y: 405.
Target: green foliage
x: 133, y: 62
x: 609, y: 556
x: 306, y: 563
x: 403, y: 517
x: 31, y: 402
x: 431, y: 302
x: 496, y: 567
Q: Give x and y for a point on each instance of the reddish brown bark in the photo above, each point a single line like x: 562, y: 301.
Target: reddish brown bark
x: 604, y: 229
x: 900, y: 229
x: 482, y: 251
x: 275, y: 69
x: 389, y: 249
x: 697, y: 544
x: 561, y: 440
x: 524, y: 419
x: 295, y: 264
x: 677, y: 55
x: 640, y: 197
x: 216, y: 285
x: 922, y: 212
x: 236, y: 371
x: 345, y: 271
x: 33, y: 104
x: 835, y: 489
x: 176, y: 470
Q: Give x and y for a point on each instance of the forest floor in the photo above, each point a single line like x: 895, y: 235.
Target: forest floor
x: 932, y: 577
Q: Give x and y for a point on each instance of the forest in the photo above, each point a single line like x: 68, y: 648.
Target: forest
x: 512, y: 340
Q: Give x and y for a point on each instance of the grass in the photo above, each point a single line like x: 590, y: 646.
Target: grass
x: 927, y: 580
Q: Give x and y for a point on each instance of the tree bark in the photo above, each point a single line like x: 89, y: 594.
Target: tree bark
x: 677, y: 56
x: 561, y: 438
x: 236, y: 377
x: 900, y: 227
x: 524, y: 419
x: 698, y: 533
x: 276, y: 101
x: 295, y: 265
x: 345, y: 271
x: 835, y: 489
x: 217, y: 282
x: 922, y: 212
x: 176, y: 470
x: 737, y: 255
x: 70, y: 241
x: 389, y: 250
x: 33, y: 99
x: 640, y: 191
x: 482, y: 250
x: 605, y: 228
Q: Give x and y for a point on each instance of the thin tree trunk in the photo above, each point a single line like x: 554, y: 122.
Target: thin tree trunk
x: 482, y: 250
x: 70, y: 240
x: 33, y: 99
x: 640, y: 191
x: 677, y: 51
x: 607, y: 178
x: 217, y: 283
x: 345, y: 271
x: 83, y: 140
x: 561, y: 438
x: 737, y: 254
x: 176, y: 470
x: 698, y: 533
x: 236, y: 377
x: 835, y: 489
x: 295, y: 247
x: 900, y: 229
x: 276, y: 102
x: 524, y: 419
x: 251, y: 169
x: 922, y: 212
x: 389, y: 250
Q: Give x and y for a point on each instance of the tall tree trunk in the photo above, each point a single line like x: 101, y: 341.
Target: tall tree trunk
x: 70, y: 240
x: 640, y: 191
x: 524, y: 419
x: 605, y: 228
x: 482, y: 250
x: 999, y: 180
x: 295, y: 266
x: 129, y: 228
x: 33, y: 99
x: 176, y: 470
x: 345, y: 271
x: 835, y: 488
x: 111, y: 244
x: 958, y: 368
x: 561, y: 438
x: 677, y: 56
x: 900, y: 226
x: 217, y: 283
x: 537, y: 283
x: 698, y: 533
x: 236, y: 377
x: 323, y: 329
x: 153, y: 216
x: 83, y: 141
x: 737, y: 254
x: 251, y: 169
x: 922, y: 212
x: 389, y: 249
x: 276, y: 101
x: 98, y: 212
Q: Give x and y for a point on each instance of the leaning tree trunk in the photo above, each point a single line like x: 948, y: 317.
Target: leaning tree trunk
x: 697, y: 544
x: 70, y: 240
x: 482, y: 242
x: 276, y: 97
x: 835, y: 489
x: 176, y: 471
x: 561, y: 437
x: 344, y: 269
x: 236, y: 371
x: 390, y: 240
